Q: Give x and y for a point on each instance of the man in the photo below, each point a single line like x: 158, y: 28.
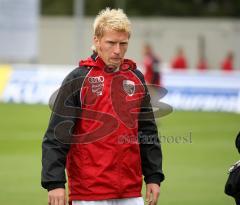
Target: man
x: 102, y: 128
x: 179, y: 62
x: 151, y: 65
x: 227, y: 64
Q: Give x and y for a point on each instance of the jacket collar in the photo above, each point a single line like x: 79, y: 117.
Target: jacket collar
x: 95, y: 61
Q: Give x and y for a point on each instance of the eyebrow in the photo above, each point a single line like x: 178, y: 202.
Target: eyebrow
x: 121, y: 42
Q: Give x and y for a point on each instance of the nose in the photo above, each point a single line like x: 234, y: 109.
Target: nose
x: 117, y: 48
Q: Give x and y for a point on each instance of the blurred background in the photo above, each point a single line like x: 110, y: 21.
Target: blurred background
x: 191, y: 48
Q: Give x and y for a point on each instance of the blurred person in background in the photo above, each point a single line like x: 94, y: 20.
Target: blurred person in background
x: 227, y: 64
x: 179, y: 62
x: 151, y: 65
x: 104, y: 163
x: 202, y: 63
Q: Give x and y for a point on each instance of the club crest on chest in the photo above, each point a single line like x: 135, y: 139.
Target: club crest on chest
x: 129, y: 87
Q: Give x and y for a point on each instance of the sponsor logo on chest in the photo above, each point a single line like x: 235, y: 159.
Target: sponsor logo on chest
x: 97, y: 84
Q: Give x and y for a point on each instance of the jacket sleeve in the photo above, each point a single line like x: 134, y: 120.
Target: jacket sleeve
x: 237, y: 142
x: 150, y: 148
x: 57, y: 139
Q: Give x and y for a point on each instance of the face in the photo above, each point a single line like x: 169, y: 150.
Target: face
x: 112, y: 46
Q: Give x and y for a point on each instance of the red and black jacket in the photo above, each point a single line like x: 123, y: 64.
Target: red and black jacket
x: 102, y: 130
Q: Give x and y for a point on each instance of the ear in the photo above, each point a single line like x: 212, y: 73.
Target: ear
x: 96, y: 41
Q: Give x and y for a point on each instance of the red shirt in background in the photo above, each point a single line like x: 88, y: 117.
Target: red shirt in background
x: 227, y: 65
x: 179, y: 62
x: 151, y: 66
x: 152, y: 73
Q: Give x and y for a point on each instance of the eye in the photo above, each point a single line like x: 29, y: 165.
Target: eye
x: 123, y: 43
x: 111, y: 42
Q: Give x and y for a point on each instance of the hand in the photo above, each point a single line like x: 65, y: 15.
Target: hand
x: 152, y: 193
x: 57, y: 197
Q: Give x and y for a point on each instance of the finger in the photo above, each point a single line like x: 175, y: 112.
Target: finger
x: 148, y: 194
x: 49, y: 200
x: 155, y: 195
x: 61, y: 201
x: 56, y: 201
x: 153, y: 202
x: 65, y: 199
x: 150, y: 202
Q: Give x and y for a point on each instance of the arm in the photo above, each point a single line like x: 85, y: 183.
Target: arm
x: 57, y: 139
x: 150, y: 148
x: 151, y: 155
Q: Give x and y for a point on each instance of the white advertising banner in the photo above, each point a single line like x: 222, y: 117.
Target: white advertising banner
x: 33, y: 84
x: 19, y: 30
x: 205, y: 91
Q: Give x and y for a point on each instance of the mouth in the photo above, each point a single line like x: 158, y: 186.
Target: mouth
x: 116, y: 59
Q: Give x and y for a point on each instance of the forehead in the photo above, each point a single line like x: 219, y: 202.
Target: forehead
x: 110, y: 34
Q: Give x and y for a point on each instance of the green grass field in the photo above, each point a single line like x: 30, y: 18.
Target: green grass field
x: 195, y: 169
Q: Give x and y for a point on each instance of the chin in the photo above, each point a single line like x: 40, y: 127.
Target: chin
x: 113, y: 65
x: 116, y: 64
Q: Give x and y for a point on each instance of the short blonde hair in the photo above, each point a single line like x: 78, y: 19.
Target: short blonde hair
x: 114, y: 19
